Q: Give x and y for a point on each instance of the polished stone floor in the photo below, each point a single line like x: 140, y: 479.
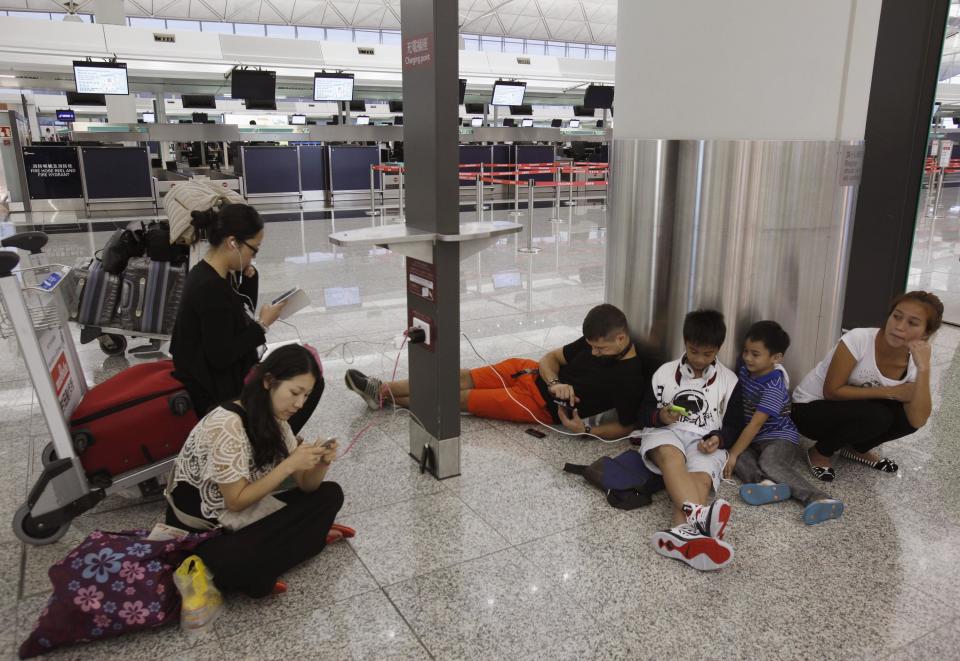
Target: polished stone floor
x: 935, y: 262
x: 515, y: 559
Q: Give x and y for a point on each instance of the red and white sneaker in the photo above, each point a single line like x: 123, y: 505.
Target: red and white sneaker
x: 711, y: 520
x: 689, y: 545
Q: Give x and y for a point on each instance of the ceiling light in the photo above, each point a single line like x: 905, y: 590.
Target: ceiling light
x: 7, y: 75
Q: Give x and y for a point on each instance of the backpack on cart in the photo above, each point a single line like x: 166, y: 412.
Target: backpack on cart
x: 136, y: 418
x: 150, y: 295
x: 627, y: 481
x: 189, y: 196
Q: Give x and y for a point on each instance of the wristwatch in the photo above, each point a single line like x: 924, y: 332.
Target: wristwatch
x: 552, y: 382
x: 587, y: 428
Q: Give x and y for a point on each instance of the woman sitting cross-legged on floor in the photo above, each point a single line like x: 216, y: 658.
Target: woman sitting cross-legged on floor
x: 232, y: 464
x: 873, y: 387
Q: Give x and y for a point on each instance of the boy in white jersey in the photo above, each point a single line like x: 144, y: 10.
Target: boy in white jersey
x: 683, y: 413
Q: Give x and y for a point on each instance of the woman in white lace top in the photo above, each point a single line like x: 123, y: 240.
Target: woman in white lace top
x: 231, y: 467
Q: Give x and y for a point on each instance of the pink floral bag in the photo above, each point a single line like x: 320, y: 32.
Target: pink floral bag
x: 111, y: 584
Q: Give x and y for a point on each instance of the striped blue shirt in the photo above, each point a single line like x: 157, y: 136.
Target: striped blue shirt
x: 768, y: 394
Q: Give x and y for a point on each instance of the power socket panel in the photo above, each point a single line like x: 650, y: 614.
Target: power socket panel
x: 419, y: 320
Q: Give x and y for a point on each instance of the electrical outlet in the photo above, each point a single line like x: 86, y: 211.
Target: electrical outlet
x: 425, y: 325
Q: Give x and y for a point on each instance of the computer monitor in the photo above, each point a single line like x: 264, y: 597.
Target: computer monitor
x: 396, y: 106
x: 462, y: 91
x: 556, y: 123
x: 332, y: 86
x: 77, y: 99
x: 526, y: 123
x: 509, y: 121
x: 261, y: 104
x: 199, y: 117
x: 599, y: 123
x: 363, y: 120
x: 598, y: 96
x: 149, y: 118
x: 398, y: 120
x: 574, y: 123
x: 198, y: 101
x: 358, y: 106
x: 476, y: 121
x: 66, y: 116
x: 298, y: 120
x: 522, y: 109
x: 253, y: 84
x: 101, y: 78
x: 508, y: 93
x: 474, y: 108
x: 583, y: 111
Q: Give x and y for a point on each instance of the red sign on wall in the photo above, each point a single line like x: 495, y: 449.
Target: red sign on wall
x: 418, y: 52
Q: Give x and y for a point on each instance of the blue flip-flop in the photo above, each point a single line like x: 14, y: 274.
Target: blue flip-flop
x: 761, y: 494
x: 821, y: 511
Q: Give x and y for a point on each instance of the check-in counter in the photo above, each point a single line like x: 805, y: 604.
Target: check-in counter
x: 54, y: 180
x: 117, y: 178
x: 313, y: 171
x: 270, y: 174
x: 350, y: 171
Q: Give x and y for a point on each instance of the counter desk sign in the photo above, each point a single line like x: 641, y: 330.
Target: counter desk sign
x: 53, y: 173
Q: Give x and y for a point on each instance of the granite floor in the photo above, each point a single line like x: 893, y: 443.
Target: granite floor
x: 515, y: 559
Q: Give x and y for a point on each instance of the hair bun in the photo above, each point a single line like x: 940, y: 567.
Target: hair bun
x: 203, y: 220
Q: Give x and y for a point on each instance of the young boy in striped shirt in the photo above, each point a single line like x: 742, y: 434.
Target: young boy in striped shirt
x: 765, y: 449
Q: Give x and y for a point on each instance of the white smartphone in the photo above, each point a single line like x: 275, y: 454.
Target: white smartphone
x: 284, y: 296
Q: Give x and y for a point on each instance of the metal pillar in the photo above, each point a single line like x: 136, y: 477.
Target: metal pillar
x: 429, y: 48
x: 556, y: 197
x: 373, y: 199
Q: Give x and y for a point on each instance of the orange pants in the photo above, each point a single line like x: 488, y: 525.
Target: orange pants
x: 490, y: 399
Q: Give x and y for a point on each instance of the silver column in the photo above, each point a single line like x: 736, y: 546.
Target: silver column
x: 756, y: 229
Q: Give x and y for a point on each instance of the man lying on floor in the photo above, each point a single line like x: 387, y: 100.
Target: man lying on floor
x: 600, y: 372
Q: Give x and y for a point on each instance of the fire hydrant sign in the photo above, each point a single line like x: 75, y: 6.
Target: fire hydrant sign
x: 422, y: 279
x: 418, y: 52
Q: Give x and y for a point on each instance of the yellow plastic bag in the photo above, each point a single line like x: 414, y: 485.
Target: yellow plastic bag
x: 202, y: 601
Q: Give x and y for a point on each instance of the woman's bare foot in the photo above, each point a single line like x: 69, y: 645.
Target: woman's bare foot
x: 818, y: 459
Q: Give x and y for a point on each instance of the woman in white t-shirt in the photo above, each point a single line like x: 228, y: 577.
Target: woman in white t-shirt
x: 873, y: 387
x: 231, y: 468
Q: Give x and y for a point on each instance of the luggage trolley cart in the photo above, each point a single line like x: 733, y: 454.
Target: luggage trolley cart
x: 33, y: 311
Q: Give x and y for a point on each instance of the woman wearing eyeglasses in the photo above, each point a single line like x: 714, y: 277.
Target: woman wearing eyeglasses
x: 217, y: 333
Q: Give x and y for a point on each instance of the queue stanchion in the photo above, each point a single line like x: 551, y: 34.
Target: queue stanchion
x: 373, y: 199
x: 478, y: 193
x: 573, y: 177
x: 402, y: 217
x: 556, y: 197
x: 606, y: 189
x: 529, y: 248
x: 516, y: 193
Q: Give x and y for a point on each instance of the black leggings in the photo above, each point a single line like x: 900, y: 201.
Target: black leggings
x: 861, y: 424
x: 251, y: 559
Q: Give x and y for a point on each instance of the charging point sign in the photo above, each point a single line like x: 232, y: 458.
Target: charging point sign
x: 422, y: 279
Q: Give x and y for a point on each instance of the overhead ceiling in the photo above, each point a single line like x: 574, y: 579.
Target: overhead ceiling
x: 587, y: 21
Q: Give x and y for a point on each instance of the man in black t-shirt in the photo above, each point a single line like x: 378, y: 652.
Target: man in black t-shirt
x: 599, y: 372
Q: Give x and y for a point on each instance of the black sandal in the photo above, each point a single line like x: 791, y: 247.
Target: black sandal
x: 883, y: 464
x: 822, y: 473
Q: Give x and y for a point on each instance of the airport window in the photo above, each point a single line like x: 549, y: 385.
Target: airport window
x: 595, y: 52
x: 183, y: 25
x: 512, y: 45
x: 367, y: 36
x: 149, y: 23
x: 336, y: 34
x: 310, y: 33
x: 223, y: 28
x: 249, y: 29
x: 284, y: 31
x: 42, y: 15
x: 494, y: 44
x: 556, y: 48
x: 578, y: 51
x: 611, y: 52
x: 535, y: 46
x: 390, y: 37
x: 471, y: 42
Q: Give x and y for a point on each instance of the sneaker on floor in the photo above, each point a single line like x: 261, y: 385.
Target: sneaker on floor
x: 687, y: 544
x: 761, y: 494
x: 367, y: 387
x: 711, y: 520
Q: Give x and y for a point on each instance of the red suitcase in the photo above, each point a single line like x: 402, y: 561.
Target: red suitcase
x: 133, y: 419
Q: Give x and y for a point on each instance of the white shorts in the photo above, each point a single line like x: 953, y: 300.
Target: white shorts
x: 697, y: 462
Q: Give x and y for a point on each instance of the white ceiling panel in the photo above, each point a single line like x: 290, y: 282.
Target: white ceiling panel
x: 572, y: 20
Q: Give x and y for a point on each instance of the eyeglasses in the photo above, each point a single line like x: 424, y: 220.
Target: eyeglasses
x: 253, y: 249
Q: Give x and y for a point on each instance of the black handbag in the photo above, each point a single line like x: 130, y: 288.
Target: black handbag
x: 121, y: 246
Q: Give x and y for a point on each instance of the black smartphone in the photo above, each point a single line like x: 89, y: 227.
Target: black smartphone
x: 536, y: 433
x: 285, y: 295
